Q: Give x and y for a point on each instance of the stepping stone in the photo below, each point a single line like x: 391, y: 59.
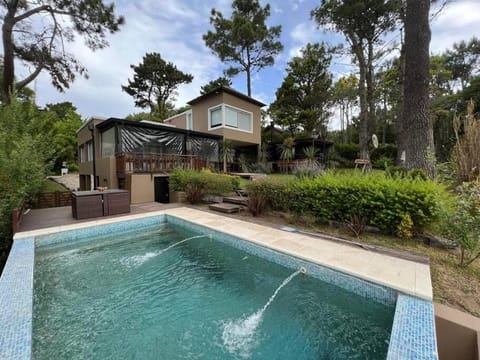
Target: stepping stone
x: 239, y: 200
x: 225, y: 208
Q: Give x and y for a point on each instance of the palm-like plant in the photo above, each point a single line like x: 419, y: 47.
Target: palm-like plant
x: 287, y: 151
x: 228, y: 153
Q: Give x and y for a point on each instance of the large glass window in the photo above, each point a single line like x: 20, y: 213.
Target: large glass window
x: 90, y: 151
x: 238, y: 119
x: 216, y: 117
x: 108, y: 142
x: 81, y: 153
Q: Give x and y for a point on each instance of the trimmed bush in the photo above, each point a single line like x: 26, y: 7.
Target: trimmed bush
x: 381, y: 200
x: 265, y: 193
x: 198, y: 184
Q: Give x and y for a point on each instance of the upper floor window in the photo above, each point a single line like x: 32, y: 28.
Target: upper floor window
x: 90, y: 150
x: 189, y: 121
x: 108, y: 142
x: 230, y: 117
x: 81, y: 153
x: 215, y: 117
x: 238, y: 119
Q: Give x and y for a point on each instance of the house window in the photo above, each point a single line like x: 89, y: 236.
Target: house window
x: 189, y: 121
x: 90, y: 151
x: 108, y: 142
x: 81, y: 153
x: 215, y: 117
x: 238, y: 119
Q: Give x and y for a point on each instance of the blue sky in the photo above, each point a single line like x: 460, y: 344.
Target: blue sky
x: 174, y: 28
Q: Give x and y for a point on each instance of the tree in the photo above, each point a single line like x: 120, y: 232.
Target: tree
x: 155, y: 81
x: 45, y: 26
x: 244, y: 40
x: 416, y: 117
x: 363, y: 24
x: 61, y: 123
x: 345, y: 94
x: 305, y: 93
x: 464, y: 61
x: 215, y: 84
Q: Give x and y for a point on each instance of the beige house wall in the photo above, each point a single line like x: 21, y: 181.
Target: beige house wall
x: 458, y: 334
x: 142, y: 189
x: 200, y: 118
x: 179, y: 121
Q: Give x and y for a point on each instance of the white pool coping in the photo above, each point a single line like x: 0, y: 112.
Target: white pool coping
x: 405, y: 276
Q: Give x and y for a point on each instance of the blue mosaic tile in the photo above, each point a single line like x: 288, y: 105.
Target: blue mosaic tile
x: 16, y: 302
x: 413, y: 332
x: 98, y: 230
x: 381, y: 294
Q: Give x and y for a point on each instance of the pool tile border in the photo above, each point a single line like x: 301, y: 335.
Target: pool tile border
x: 16, y: 302
x: 413, y: 331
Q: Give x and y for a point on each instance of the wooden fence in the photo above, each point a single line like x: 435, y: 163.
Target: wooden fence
x: 53, y: 199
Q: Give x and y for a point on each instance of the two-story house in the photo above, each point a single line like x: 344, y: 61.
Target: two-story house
x: 137, y: 156
x: 228, y: 113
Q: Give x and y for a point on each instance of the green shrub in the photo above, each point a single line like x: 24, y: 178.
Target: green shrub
x: 381, y: 200
x: 461, y: 222
x: 197, y: 184
x: 405, y: 228
x: 264, y: 194
x: 72, y: 167
x: 348, y: 152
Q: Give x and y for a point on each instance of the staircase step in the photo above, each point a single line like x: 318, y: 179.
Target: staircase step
x: 225, y: 208
x: 239, y: 200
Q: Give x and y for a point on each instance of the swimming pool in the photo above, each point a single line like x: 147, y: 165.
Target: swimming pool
x: 110, y: 297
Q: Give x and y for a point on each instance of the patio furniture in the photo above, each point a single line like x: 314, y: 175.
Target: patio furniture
x: 90, y: 204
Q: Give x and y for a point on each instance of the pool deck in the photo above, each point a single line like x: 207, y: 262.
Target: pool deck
x: 408, y: 277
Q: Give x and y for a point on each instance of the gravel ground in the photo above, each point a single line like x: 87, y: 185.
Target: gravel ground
x: 71, y: 181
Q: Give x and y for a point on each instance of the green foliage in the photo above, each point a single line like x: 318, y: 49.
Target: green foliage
x: 215, y: 84
x: 154, y: 83
x: 24, y: 151
x: 60, y: 123
x: 198, y: 184
x: 345, y: 154
x: 244, y: 40
x: 44, y: 46
x: 305, y: 93
x: 461, y: 222
x: 311, y: 170
x: 405, y: 228
x: 263, y: 194
x: 382, y: 201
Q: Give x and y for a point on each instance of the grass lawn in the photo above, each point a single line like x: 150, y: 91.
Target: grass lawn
x: 51, y: 186
x: 276, y: 177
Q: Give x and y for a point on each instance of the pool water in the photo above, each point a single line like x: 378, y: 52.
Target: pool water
x: 121, y: 297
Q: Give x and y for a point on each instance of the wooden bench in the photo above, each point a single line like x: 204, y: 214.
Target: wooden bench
x: 365, y: 163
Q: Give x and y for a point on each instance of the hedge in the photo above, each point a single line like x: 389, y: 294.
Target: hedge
x: 197, y: 184
x: 381, y: 200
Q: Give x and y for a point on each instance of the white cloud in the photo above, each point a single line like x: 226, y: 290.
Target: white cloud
x: 458, y: 21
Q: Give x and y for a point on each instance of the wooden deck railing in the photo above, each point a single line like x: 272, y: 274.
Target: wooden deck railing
x: 131, y: 163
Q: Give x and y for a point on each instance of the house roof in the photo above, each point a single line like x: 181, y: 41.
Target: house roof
x: 227, y: 90
x: 110, y: 122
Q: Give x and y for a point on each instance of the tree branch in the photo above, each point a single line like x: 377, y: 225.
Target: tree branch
x: 30, y: 77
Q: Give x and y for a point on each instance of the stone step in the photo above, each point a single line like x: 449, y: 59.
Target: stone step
x: 224, y: 208
x: 239, y: 200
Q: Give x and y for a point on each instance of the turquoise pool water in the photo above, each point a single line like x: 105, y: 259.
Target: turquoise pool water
x: 121, y: 297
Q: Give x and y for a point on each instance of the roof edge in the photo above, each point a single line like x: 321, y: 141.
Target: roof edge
x: 227, y: 90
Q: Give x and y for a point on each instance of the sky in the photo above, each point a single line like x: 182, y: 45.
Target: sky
x: 174, y: 28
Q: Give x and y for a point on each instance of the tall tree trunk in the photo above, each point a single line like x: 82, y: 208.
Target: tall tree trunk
x: 249, y: 85
x: 8, y: 56
x: 370, y: 91
x: 416, y: 117
x: 362, y: 91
